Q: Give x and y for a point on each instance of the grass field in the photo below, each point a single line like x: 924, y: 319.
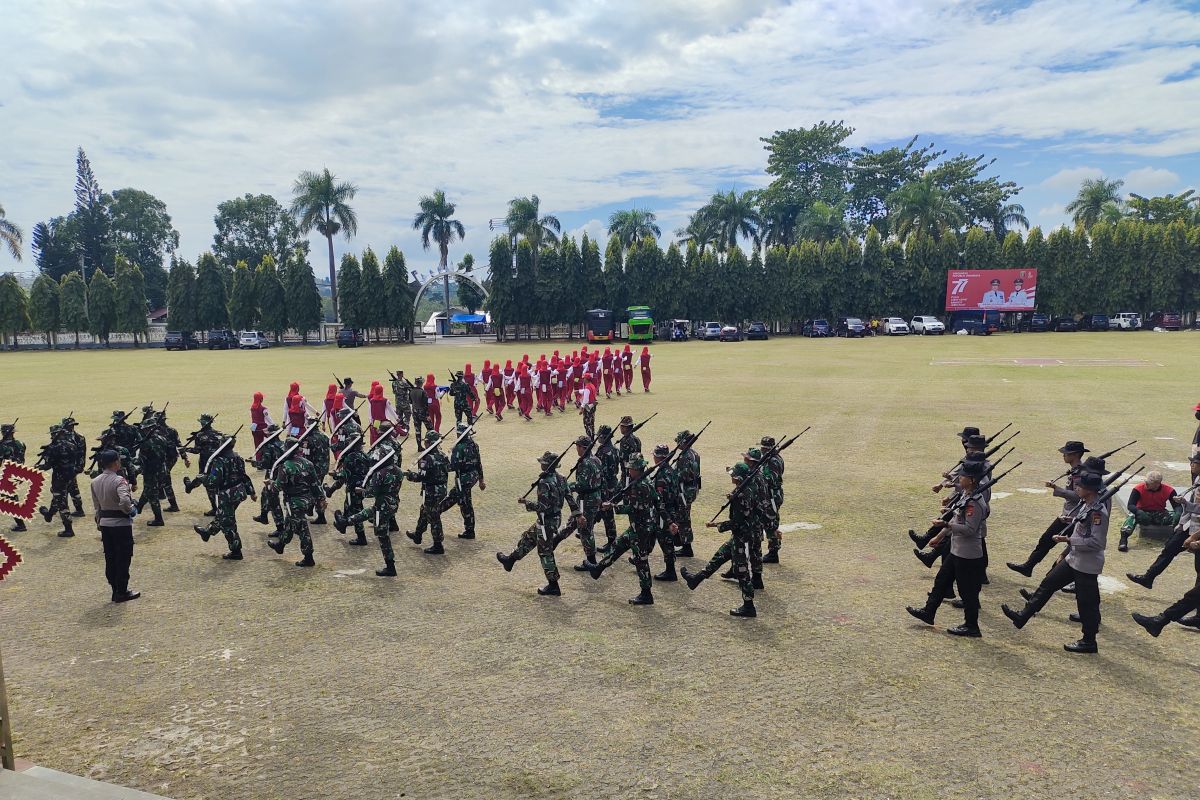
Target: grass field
x: 453, y: 680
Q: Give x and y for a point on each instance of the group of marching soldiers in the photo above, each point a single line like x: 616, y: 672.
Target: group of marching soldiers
x: 959, y: 538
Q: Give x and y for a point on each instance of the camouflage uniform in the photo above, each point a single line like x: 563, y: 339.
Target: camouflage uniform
x: 401, y: 390
x: 589, y: 485
x: 669, y: 502
x: 611, y: 466
x: 204, y: 442
x: 627, y: 447
x: 351, y: 472
x: 11, y: 449
x: 153, y: 455
x: 297, y: 480
x: 743, y: 522
x: 126, y: 435
x: 59, y: 457
x: 347, y: 431
x: 461, y: 393
x: 269, y: 501
x: 552, y: 492
x: 432, y: 473
x: 688, y: 467
x: 79, y: 448
x: 775, y: 479
x: 315, y: 448
x: 638, y: 503
x: 468, y: 470
x: 420, y: 412
x: 226, y: 480
x: 383, y: 487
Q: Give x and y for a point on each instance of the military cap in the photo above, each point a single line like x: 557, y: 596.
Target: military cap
x: 973, y: 468
x: 682, y: 436
x: 977, y: 442
x: 420, y: 380
x: 661, y: 451
x: 635, y: 462
x: 584, y: 441
x: 7, y: 427
x: 767, y: 441
x: 432, y: 436
x: 69, y: 422
x: 1092, y: 481
x: 968, y: 432
x: 206, y: 419
x: 272, y: 427
x: 626, y: 420
x: 147, y: 409
x: 604, y: 431
x: 754, y: 454
x: 462, y: 428
x: 740, y: 471
x: 458, y: 374
x: 55, y: 429
x: 118, y: 414
x: 1193, y: 458
x: 547, y: 458
x: 1073, y: 447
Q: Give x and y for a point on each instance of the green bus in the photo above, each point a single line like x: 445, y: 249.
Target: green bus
x: 641, y: 324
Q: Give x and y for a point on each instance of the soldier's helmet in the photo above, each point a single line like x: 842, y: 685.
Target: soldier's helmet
x: 206, y: 420
x: 754, y: 454
x: 635, y: 462
x: 661, y: 451
x: 626, y: 421
x: 584, y: 441
x: 420, y: 380
x: 682, y: 436
x: 69, y: 422
x: 118, y: 414
x: 767, y: 441
x: 604, y: 432
x: 147, y: 410
x: 459, y: 374
x: 432, y: 436
x: 7, y: 429
x: 55, y: 430
x: 547, y: 458
x: 740, y: 471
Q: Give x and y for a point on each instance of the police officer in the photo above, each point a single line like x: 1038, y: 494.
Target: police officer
x: 113, y: 504
x: 1086, y: 536
x: 1072, y: 455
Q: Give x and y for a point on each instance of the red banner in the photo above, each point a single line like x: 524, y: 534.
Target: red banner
x: 991, y: 289
x: 21, y: 489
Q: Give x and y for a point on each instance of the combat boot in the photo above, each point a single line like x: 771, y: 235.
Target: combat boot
x: 67, y: 532
x: 212, y: 512
x: 746, y: 609
x: 1141, y: 580
x: 435, y: 549
x: 1018, y: 619
x: 667, y: 575
x: 204, y: 532
x: 918, y: 539
x: 585, y: 566
x: 922, y: 614
x: 1123, y: 545
x: 1153, y: 625
x: 18, y: 526
x: 550, y: 589
x: 157, y: 522
x: 339, y: 521
x: 1028, y: 595
x: 926, y: 558
x: 233, y: 555
x: 685, y: 551
x: 756, y: 581
x: 388, y: 571
x: 643, y: 598
x: 596, y: 571
x: 47, y: 514
x: 78, y: 503
x: 965, y: 630
x: 359, y: 540
x: 414, y: 537
x: 392, y: 526
x: 320, y: 519
x: 467, y: 535
x: 276, y: 545
x: 261, y: 519
x: 307, y: 561
x: 1082, y: 646
x: 729, y: 575
x: 771, y: 556
x: 692, y: 579
x: 506, y: 561
x: 1023, y: 569
x: 1192, y: 622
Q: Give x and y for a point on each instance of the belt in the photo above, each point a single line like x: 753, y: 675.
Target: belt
x: 113, y: 515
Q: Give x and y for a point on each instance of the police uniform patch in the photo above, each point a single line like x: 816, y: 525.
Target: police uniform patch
x: 1097, y: 518
x: 970, y: 509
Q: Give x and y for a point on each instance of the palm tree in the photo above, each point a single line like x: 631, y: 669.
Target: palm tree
x: 319, y: 201
x: 822, y: 222
x: 524, y: 219
x: 11, y: 235
x: 435, y: 224
x: 1088, y: 206
x: 700, y: 230
x: 633, y: 225
x: 733, y: 216
x: 922, y: 208
x: 1112, y: 213
x: 1004, y: 218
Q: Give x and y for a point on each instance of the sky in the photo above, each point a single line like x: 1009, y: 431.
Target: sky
x: 593, y: 105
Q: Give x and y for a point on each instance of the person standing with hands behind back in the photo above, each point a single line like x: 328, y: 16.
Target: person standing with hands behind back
x: 113, y: 502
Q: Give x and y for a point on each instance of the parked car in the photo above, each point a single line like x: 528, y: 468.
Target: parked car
x: 851, y: 327
x: 1093, y: 322
x: 980, y: 323
x: 894, y: 326
x: 1167, y: 320
x: 253, y: 340
x: 925, y: 326
x: 1063, y: 324
x: 351, y: 337
x: 731, y: 333
x: 757, y: 330
x: 180, y: 340
x: 1125, y: 321
x: 816, y: 328
x: 1034, y: 323
x: 711, y: 331
x: 222, y: 340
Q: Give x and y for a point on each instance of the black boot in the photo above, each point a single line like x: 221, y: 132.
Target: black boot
x: 261, y: 519
x: 1018, y: 619
x: 320, y: 520
x: 1192, y: 622
x: 172, y: 506
x: 204, y: 533
x: 1141, y: 580
x: 692, y: 579
x: 1028, y: 595
x: 729, y: 575
x: 392, y: 526
x: 47, y: 514
x: 157, y: 522
x: 756, y: 581
x: 1082, y: 646
x: 685, y: 551
x: 435, y: 549
x: 233, y: 555
x: 467, y: 535
x: 585, y: 566
x: 415, y: 537
x: 276, y: 545
x: 921, y: 614
x: 643, y: 598
x: 918, y: 539
x: 550, y: 589
x: 67, y: 532
x: 307, y: 561
x: 965, y: 630
x: 339, y: 522
x: 596, y: 572
x: 506, y: 561
x: 18, y: 526
x: 926, y: 558
x: 212, y: 512
x: 1153, y: 625
x: 667, y: 575
x: 771, y: 556
x: 1123, y: 545
x: 1024, y: 569
x: 359, y: 540
x: 746, y: 609
x: 78, y: 503
x: 388, y: 571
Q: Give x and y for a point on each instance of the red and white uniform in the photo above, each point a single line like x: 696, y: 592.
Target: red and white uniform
x: 287, y: 401
x: 327, y: 416
x: 260, y: 418
x: 510, y: 388
x: 495, y: 393
x: 644, y: 363
x: 627, y: 368
x: 433, y: 403
x: 524, y: 391
x: 471, y: 380
x: 484, y: 378
x: 544, y: 387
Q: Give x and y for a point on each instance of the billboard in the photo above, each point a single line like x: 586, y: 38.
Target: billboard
x: 993, y: 289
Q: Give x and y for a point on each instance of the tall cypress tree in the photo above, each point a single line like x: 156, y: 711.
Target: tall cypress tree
x: 43, y: 307
x: 243, y: 299
x: 212, y: 304
x: 73, y: 304
x: 130, y: 296
x: 615, y: 290
x: 525, y: 286
x: 349, y: 279
x: 181, y: 296
x: 102, y: 306
x: 500, y: 278
x: 272, y: 300
x: 399, y: 294
x: 874, y: 269
x: 301, y: 296
x: 372, y: 305
x: 672, y: 292
x: 14, y: 308
x: 591, y: 277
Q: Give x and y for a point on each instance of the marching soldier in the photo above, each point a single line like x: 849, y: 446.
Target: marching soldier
x: 153, y: 457
x: 174, y: 444
x: 760, y: 490
x: 669, y: 499
x: 1086, y: 535
x: 59, y: 457
x: 628, y: 446
x: 224, y: 477
x: 78, y: 447
x: 420, y: 408
x: 269, y: 453
x: 688, y: 467
x: 551, y: 494
x: 297, y: 480
x: 204, y: 443
x: 589, y: 486
x: 467, y: 467
x: 382, y: 486
x: 775, y: 479
x: 1189, y: 524
x: 129, y: 465
x: 586, y: 398
x: 610, y: 462
x: 402, y: 390
x: 315, y: 448
x: 126, y: 434
x: 461, y: 392
x: 741, y: 524
x: 12, y: 449
x: 432, y: 473
x: 348, y: 430
x: 638, y: 503
x: 351, y: 471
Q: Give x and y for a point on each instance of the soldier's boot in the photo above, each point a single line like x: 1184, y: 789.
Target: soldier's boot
x: 1028, y: 595
x: 642, y: 598
x: 597, y: 570
x: 746, y: 609
x: 1017, y: 617
x: 205, y: 533
x: 339, y: 521
x: 1192, y: 622
x: 1024, y: 568
x: 692, y: 579
x: 392, y: 526
x: 926, y: 558
x: 307, y: 561
x: 415, y: 536
x: 435, y: 549
x: 388, y: 571
x: 212, y: 512
x: 67, y: 532
x: 667, y: 575
x: 771, y: 556
x: 1123, y: 545
x: 920, y: 540
x: 77, y: 501
x: 157, y: 522
x: 360, y: 537
x: 506, y: 561
x: 1153, y: 625
x: 172, y: 505
x: 587, y: 563
x: 320, y: 518
x: 1084, y: 645
x: 756, y: 581
x: 729, y: 575
x: 276, y: 544
x: 47, y: 513
x: 550, y: 589
x: 685, y: 551
x: 1141, y: 580
x: 233, y: 555
x: 18, y: 526
x: 261, y: 519
x: 923, y: 614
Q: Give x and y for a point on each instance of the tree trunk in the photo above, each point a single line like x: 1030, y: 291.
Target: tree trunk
x: 332, y: 279
x: 76, y: 340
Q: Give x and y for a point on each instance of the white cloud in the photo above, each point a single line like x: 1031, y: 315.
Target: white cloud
x: 597, y: 231
x: 1069, y: 179
x: 1149, y: 181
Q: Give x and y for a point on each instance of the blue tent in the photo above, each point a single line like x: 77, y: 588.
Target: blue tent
x: 464, y: 319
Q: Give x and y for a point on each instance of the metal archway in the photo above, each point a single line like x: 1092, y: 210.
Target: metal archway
x: 437, y: 277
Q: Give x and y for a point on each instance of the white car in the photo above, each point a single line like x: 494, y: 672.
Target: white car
x: 1126, y: 321
x: 711, y: 331
x: 253, y: 340
x: 927, y: 325
x: 894, y: 326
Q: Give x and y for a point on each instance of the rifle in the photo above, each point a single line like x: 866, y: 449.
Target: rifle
x: 666, y: 461
x: 548, y: 470
x: 1102, y: 497
x: 638, y: 427
x: 263, y: 443
x: 346, y: 449
x: 586, y: 453
x: 293, y: 449
x: 997, y: 433
x: 342, y: 422
x: 778, y: 448
x: 224, y: 444
x: 979, y: 490
x: 1111, y: 478
x: 337, y: 380
x: 1102, y: 457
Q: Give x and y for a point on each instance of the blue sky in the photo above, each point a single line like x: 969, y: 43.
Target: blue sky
x: 593, y: 106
